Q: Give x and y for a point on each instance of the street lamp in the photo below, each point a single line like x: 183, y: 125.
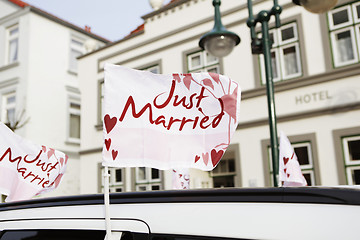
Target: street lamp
x: 219, y: 42
x: 219, y: 36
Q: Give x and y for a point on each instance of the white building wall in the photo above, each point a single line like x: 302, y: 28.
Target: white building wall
x: 43, y: 83
x: 313, y: 104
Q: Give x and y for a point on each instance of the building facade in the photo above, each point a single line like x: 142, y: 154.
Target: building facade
x: 39, y: 87
x: 315, y: 61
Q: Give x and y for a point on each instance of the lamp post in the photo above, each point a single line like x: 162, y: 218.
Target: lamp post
x: 221, y: 40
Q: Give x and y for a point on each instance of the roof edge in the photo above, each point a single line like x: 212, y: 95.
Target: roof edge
x: 168, y: 6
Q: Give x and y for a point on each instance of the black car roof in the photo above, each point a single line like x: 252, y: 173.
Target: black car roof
x: 309, y: 195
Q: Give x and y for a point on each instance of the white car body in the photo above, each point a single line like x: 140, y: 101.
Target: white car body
x: 264, y: 213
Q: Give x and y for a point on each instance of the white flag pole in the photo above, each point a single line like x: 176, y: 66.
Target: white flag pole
x: 107, y: 203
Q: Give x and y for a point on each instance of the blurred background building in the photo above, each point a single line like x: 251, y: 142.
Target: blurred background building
x: 39, y: 87
x: 315, y: 63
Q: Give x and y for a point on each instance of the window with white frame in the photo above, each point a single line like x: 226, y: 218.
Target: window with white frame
x: 223, y: 174
x: 12, y: 52
x: 76, y: 49
x: 303, y: 152
x: 285, y: 53
x: 351, y: 149
x: 344, y: 28
x: 116, y: 179
x: 8, y: 106
x: 202, y: 61
x: 74, y: 120
x: 148, y: 179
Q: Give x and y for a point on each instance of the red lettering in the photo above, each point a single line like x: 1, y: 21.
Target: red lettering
x: 41, y: 164
x: 53, y: 167
x: 171, y: 121
x: 46, y: 182
x: 218, y: 118
x: 200, y: 97
x: 161, y: 120
x: 31, y: 161
x: 195, y: 122
x: 8, y: 151
x: 22, y: 171
x: 131, y: 102
x: 37, y: 177
x: 171, y: 93
x: 205, y: 119
x: 183, y: 122
x: 182, y: 101
x: 29, y: 174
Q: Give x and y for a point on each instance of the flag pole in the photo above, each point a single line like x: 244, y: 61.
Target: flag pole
x: 107, y: 203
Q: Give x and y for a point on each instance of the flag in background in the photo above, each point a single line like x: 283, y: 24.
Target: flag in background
x: 289, y: 168
x: 27, y: 169
x: 181, y: 179
x: 172, y: 121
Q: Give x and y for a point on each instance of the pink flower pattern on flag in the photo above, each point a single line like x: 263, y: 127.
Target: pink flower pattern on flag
x: 167, y: 121
x: 290, y: 174
x: 27, y: 169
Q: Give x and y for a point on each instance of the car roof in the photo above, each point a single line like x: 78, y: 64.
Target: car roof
x: 313, y: 195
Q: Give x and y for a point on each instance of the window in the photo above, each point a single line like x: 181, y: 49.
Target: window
x: 303, y: 151
x: 344, y: 27
x: 153, y: 69
x: 76, y: 49
x: 74, y: 120
x: 8, y: 105
x: 285, y: 54
x: 148, y: 179
x: 53, y: 234
x: 351, y: 149
x: 202, y: 61
x: 116, y: 180
x: 223, y: 174
x: 12, y: 44
x: 100, y: 102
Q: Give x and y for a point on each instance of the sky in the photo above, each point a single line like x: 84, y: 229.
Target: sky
x: 111, y: 19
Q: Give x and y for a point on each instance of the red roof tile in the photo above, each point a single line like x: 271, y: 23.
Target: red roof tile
x: 19, y: 3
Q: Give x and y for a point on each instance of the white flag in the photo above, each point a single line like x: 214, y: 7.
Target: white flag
x: 27, y: 169
x: 289, y: 168
x: 170, y: 121
x: 181, y: 179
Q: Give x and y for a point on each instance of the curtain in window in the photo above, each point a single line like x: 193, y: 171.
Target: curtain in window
x: 13, y: 50
x: 274, y: 65
x: 290, y: 61
x: 74, y: 126
x: 345, y: 48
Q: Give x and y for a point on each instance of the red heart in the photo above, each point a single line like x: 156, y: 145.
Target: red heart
x: 285, y: 160
x: 109, y: 122
x: 206, y: 158
x: 180, y: 175
x: 61, y: 161
x: 285, y: 170
x: 216, y: 156
x: 114, y: 154
x: 197, y: 158
x: 288, y: 175
x: 108, y: 143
